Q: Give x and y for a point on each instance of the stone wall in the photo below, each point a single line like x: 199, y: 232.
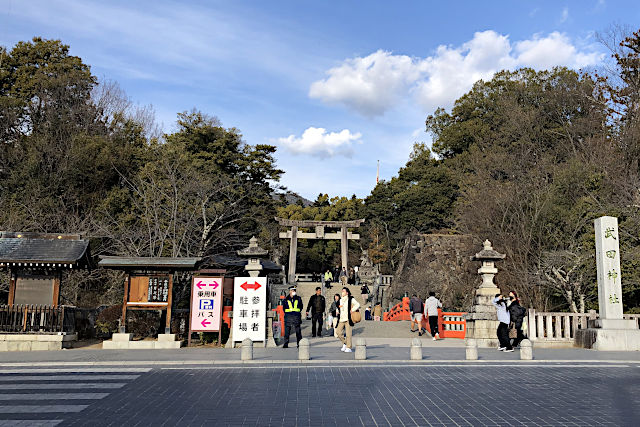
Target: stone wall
x: 440, y: 263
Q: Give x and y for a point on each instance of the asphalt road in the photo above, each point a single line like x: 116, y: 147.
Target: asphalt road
x: 388, y: 393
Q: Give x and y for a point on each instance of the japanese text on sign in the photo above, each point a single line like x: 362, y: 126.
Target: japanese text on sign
x: 206, y: 303
x: 249, y: 308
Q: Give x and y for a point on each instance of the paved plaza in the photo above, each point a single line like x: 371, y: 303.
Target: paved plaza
x: 197, y: 387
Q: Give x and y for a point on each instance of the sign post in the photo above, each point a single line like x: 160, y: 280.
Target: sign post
x: 249, y: 309
x: 206, y: 306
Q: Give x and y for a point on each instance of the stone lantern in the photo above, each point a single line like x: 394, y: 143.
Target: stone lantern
x: 253, y: 253
x: 482, y: 321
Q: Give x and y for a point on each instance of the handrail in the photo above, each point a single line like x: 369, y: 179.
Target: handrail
x: 561, y: 326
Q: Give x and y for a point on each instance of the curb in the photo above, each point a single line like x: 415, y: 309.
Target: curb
x: 333, y: 363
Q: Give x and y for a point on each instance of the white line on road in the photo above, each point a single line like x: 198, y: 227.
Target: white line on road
x: 40, y: 409
x: 68, y: 377
x: 70, y: 370
x: 53, y: 396
x: 53, y: 386
x: 391, y: 366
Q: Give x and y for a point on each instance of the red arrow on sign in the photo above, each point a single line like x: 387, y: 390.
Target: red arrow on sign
x: 200, y: 285
x: 214, y: 284
x: 205, y: 322
x: 247, y: 286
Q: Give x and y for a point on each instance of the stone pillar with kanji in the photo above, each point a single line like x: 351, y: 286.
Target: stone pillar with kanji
x: 610, y: 331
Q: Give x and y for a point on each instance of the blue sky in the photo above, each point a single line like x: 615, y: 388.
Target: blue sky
x: 336, y: 85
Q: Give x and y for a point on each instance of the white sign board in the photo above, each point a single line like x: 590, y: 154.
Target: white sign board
x: 249, y: 308
x: 206, y: 304
x: 608, y: 265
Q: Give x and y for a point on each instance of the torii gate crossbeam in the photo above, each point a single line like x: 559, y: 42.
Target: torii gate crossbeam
x: 293, y: 234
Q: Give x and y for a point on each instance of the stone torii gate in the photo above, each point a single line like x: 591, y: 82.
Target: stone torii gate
x: 344, y: 235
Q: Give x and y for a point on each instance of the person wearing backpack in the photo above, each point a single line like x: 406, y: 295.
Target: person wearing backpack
x: 517, y: 314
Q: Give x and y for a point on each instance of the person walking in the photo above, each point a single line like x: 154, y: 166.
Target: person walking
x: 333, y: 311
x: 503, y: 328
x: 431, y: 306
x: 328, y: 278
x: 348, y: 305
x: 416, y: 307
x: 343, y: 276
x: 364, y: 291
x: 316, y: 306
x: 292, y: 316
x: 377, y: 312
x: 516, y: 313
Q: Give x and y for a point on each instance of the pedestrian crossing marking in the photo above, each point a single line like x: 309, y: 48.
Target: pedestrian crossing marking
x: 52, y: 396
x: 29, y: 423
x: 49, y: 386
x: 72, y: 370
x: 53, y: 392
x: 39, y: 409
x: 68, y: 377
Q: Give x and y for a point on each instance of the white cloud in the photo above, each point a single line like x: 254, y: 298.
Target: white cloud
x: 376, y: 83
x: 371, y: 82
x: 555, y: 49
x: 317, y: 142
x: 565, y: 15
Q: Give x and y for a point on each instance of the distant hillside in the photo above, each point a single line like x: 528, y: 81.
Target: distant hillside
x: 291, y: 198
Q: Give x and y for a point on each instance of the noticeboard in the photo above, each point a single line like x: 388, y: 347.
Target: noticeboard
x: 158, y: 290
x: 206, y: 304
x: 249, y: 308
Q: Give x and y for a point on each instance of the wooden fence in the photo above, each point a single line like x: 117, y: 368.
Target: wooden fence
x: 29, y: 318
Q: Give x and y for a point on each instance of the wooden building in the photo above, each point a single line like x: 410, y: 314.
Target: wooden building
x: 148, y: 283
x: 35, y: 262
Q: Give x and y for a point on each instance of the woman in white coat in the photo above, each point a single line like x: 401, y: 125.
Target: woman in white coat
x: 348, y: 305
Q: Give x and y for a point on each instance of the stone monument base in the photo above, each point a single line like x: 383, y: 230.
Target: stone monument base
x: 124, y: 342
x: 482, y: 322
x: 484, y: 332
x: 36, y: 342
x: 609, y: 339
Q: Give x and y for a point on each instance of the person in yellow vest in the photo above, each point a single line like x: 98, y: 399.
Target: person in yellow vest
x: 292, y: 316
x: 328, y: 278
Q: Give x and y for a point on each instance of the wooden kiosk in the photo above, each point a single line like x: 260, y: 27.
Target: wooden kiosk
x: 148, y: 285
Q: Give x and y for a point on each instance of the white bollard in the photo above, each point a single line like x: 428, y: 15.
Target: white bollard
x: 303, y: 349
x: 471, y: 349
x: 246, y: 352
x: 526, y: 349
x: 416, y: 349
x: 361, y: 349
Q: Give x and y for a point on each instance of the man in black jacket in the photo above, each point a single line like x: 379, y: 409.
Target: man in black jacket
x: 292, y: 316
x: 317, y: 306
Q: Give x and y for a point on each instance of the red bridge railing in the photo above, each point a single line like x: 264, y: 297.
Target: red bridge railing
x: 450, y: 324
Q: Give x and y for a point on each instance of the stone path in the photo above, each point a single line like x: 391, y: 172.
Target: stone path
x: 298, y: 395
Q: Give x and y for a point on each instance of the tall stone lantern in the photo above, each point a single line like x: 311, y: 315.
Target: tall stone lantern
x: 482, y: 321
x: 253, y: 253
x: 253, y: 268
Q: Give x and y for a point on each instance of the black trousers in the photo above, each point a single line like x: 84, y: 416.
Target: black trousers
x: 503, y: 336
x: 295, y: 323
x: 433, y: 325
x: 316, y: 318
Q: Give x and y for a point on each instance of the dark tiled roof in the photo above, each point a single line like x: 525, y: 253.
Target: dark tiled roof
x: 241, y: 262
x: 148, y: 262
x: 32, y: 250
